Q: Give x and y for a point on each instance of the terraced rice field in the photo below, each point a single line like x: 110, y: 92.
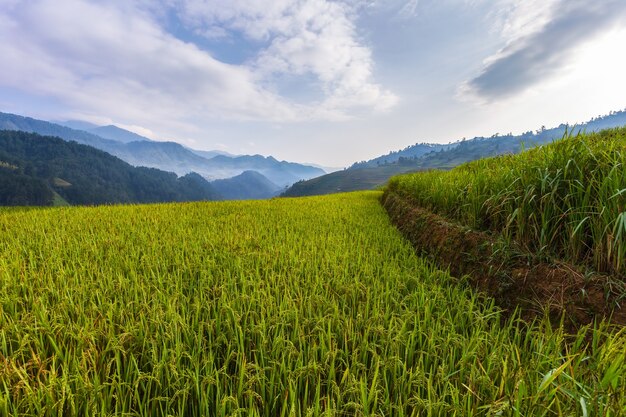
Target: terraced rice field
x: 565, y: 200
x: 286, y: 307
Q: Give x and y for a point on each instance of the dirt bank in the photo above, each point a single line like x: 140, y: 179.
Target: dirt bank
x: 510, y: 276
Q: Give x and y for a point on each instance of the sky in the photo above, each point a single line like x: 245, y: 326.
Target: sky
x: 317, y: 81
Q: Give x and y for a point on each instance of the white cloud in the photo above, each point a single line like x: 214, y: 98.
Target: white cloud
x: 102, y: 58
x: 115, y: 60
x: 409, y: 9
x: 521, y: 18
x: 303, y: 37
x: 541, y: 41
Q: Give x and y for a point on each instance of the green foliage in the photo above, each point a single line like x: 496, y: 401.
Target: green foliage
x: 276, y: 308
x: 94, y: 176
x: 369, y: 175
x: 17, y: 189
x: 346, y: 180
x: 566, y: 200
x: 166, y: 156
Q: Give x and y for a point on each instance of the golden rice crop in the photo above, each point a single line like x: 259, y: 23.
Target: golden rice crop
x: 287, y: 307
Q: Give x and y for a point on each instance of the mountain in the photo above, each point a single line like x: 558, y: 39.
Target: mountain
x: 411, y: 152
x: 17, y: 189
x: 118, y: 134
x: 210, y: 154
x: 35, y: 169
x: 167, y: 156
x: 375, y: 172
x: 77, y: 124
x: 482, y: 147
x: 249, y: 185
x: 110, y: 132
x: 367, y: 178
x: 171, y: 156
x: 27, y: 124
x: 281, y: 173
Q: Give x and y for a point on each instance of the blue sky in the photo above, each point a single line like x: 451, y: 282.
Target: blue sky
x: 322, y: 81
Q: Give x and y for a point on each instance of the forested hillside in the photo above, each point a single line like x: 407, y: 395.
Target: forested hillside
x: 424, y: 156
x: 167, y: 156
x: 36, y: 167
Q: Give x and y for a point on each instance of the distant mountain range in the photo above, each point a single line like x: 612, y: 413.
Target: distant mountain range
x: 375, y: 172
x: 45, y: 170
x: 173, y: 172
x: 167, y: 156
x: 117, y: 134
x: 247, y: 185
x: 211, y: 154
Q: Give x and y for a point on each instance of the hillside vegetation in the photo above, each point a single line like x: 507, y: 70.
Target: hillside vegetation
x: 565, y: 200
x: 35, y: 169
x: 347, y: 180
x: 421, y: 157
x: 283, y: 307
x: 167, y: 156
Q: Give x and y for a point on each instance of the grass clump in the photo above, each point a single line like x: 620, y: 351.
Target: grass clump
x: 565, y: 200
x: 286, y: 307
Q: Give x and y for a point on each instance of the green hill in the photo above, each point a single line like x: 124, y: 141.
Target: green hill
x: 347, y: 180
x: 36, y: 169
x: 167, y: 156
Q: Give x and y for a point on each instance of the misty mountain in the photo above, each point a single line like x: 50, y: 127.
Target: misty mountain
x: 168, y: 156
x: 376, y: 172
x: 117, y: 134
x: 171, y: 156
x: 210, y: 154
x: 27, y: 124
x: 35, y: 169
x: 281, y: 173
x: 110, y: 132
x: 76, y: 124
x: 249, y: 185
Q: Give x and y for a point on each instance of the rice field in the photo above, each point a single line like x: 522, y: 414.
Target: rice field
x: 287, y: 307
x: 565, y: 200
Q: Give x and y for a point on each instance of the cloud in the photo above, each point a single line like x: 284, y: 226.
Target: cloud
x: 532, y: 56
x: 303, y: 38
x: 409, y: 9
x: 116, y: 60
x: 102, y: 58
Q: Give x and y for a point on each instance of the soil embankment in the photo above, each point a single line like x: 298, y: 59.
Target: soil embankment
x: 511, y: 277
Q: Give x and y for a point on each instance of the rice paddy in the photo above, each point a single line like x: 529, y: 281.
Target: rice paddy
x: 566, y: 200
x: 287, y: 307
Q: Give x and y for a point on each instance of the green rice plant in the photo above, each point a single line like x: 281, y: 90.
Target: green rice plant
x: 287, y: 307
x: 565, y: 200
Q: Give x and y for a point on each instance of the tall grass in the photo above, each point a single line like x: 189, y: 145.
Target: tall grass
x: 566, y: 199
x: 279, y: 308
